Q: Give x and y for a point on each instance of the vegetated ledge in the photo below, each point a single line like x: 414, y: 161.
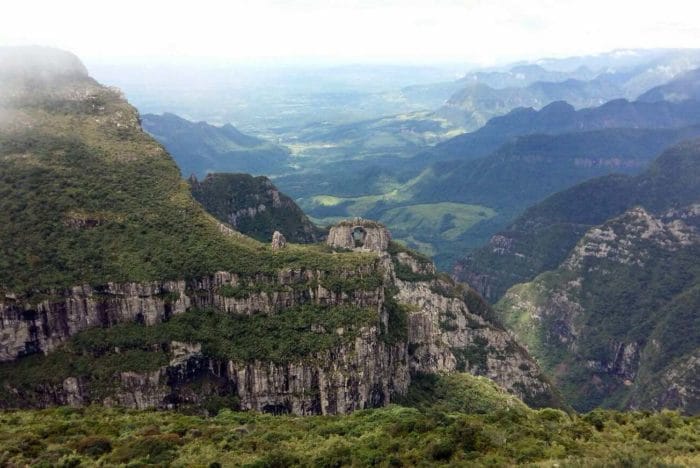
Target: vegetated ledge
x: 302, y: 341
x: 302, y: 353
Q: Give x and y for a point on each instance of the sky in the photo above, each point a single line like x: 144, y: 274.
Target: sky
x: 474, y: 31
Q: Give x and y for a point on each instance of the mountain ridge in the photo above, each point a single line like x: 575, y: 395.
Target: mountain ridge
x: 599, y: 319
x: 540, y: 238
x: 200, y: 148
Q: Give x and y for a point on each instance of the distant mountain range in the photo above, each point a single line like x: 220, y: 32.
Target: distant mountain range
x: 684, y: 87
x: 489, y: 94
x: 528, y: 168
x: 472, y: 106
x: 523, y: 75
x: 200, y: 148
x: 560, y: 117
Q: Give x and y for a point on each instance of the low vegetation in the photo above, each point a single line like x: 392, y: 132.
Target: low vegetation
x: 454, y: 420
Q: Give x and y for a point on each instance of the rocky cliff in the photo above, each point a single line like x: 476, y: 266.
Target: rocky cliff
x: 399, y: 320
x: 616, y: 324
x: 544, y: 235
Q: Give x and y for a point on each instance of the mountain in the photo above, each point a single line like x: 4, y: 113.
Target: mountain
x: 561, y: 117
x: 531, y: 167
x: 200, y: 148
x: 523, y: 75
x: 542, y: 237
x: 684, y: 87
x: 456, y: 206
x: 254, y: 207
x: 118, y: 288
x: 489, y: 94
x: 472, y: 106
x: 616, y: 324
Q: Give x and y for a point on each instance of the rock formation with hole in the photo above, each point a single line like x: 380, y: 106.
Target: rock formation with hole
x: 359, y: 234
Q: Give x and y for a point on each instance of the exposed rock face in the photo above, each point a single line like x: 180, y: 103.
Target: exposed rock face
x: 442, y: 334
x: 446, y: 336
x: 278, y: 241
x: 359, y: 234
x: 27, y: 328
x: 605, y: 326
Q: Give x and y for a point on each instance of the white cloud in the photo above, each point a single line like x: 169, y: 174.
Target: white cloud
x: 473, y: 30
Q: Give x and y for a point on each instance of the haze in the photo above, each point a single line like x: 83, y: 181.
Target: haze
x: 475, y: 31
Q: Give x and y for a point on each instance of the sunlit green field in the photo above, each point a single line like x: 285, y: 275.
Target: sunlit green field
x: 424, y: 227
x: 447, y: 220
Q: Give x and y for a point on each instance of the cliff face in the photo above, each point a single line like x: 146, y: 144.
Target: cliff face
x: 40, y: 324
x: 616, y: 324
x: 422, y: 324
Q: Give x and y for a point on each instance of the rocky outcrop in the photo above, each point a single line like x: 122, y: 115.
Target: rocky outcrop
x: 446, y: 336
x: 359, y: 234
x: 278, y: 241
x: 677, y: 387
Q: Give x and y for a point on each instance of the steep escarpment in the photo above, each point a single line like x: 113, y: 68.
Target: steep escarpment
x: 305, y: 342
x: 616, y: 324
x: 254, y: 207
x: 118, y: 288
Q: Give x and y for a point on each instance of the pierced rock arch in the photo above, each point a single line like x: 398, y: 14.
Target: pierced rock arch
x: 359, y: 234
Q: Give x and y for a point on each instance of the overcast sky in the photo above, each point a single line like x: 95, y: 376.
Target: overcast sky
x: 359, y: 30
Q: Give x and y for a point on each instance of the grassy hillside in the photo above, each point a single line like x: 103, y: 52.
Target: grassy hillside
x: 88, y: 197
x: 542, y: 237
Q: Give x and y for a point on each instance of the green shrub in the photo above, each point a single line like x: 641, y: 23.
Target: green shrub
x: 93, y: 446
x: 155, y: 450
x: 440, y: 450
